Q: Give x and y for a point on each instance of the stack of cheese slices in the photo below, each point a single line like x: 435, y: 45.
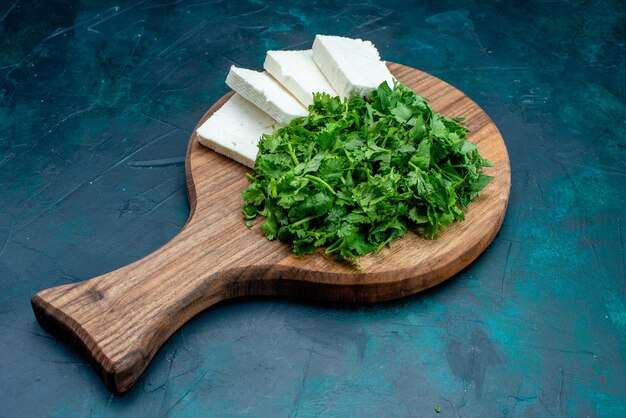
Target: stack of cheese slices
x: 266, y: 100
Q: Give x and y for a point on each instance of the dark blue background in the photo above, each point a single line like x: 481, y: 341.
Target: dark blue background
x: 98, y: 100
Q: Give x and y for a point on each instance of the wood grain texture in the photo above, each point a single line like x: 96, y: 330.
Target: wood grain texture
x: 120, y: 319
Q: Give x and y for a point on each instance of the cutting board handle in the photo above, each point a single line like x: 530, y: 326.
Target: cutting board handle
x: 120, y: 319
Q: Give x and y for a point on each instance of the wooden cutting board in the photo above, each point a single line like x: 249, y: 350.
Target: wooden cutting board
x: 120, y: 319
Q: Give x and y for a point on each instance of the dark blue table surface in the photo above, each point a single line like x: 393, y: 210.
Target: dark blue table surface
x: 97, y: 102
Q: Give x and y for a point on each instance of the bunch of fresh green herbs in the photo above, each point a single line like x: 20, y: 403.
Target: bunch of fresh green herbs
x: 353, y: 175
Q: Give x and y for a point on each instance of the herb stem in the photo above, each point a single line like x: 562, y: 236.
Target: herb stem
x: 292, y: 154
x: 322, y: 182
x: 414, y: 166
x: 334, y: 246
x: 303, y: 220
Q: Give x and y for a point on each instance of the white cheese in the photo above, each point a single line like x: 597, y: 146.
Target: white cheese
x: 352, y: 66
x: 297, y: 71
x: 266, y: 93
x: 235, y: 129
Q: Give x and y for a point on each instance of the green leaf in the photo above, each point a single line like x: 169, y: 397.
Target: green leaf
x: 422, y: 157
x: 438, y: 129
x: 467, y: 146
x: 331, y: 169
x: 419, y: 129
x: 254, y: 194
x: 482, y: 182
x: 402, y: 113
x: 405, y: 149
x: 309, y: 166
x: 417, y: 217
x: 271, y: 142
x: 269, y: 227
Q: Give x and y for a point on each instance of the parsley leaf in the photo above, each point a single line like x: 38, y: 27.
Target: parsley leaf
x: 354, y: 175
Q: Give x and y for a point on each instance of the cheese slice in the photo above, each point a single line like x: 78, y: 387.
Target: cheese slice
x: 266, y: 93
x: 352, y: 66
x: 298, y: 73
x: 235, y: 129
